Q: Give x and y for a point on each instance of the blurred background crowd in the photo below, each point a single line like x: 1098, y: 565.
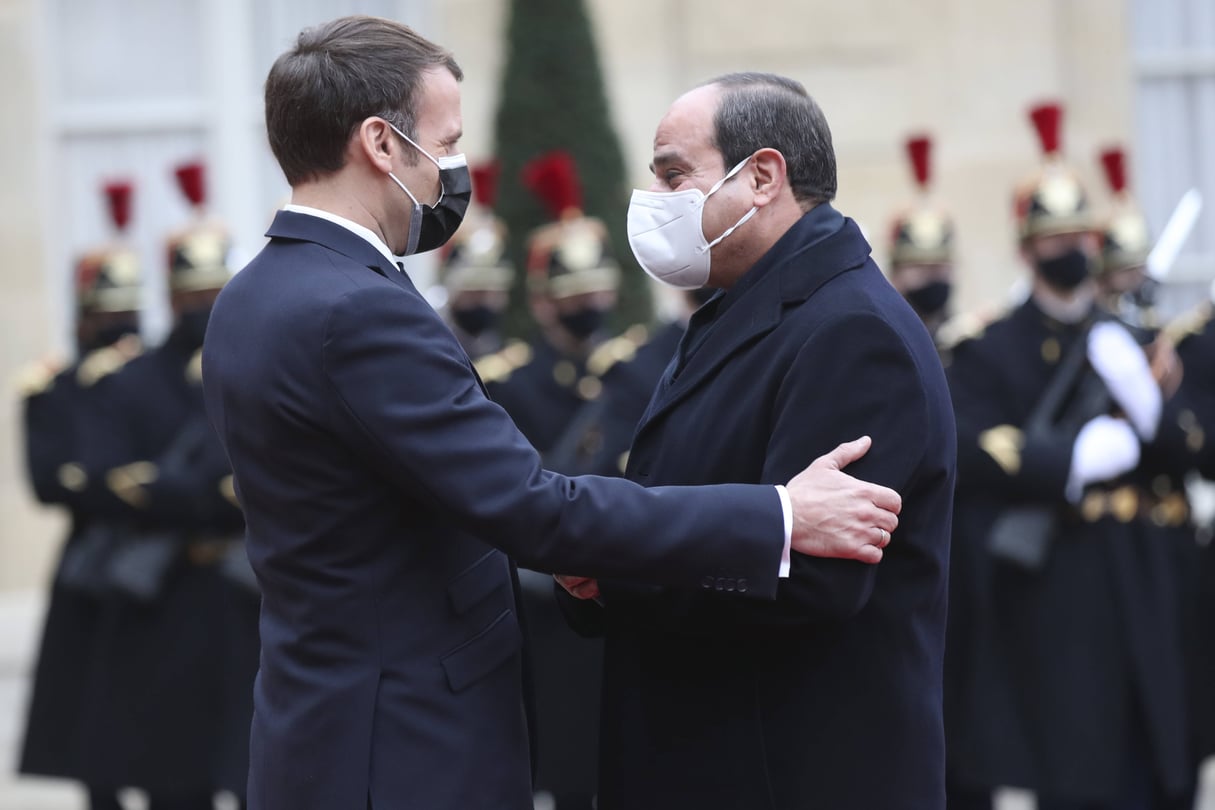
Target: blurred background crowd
x: 980, y: 146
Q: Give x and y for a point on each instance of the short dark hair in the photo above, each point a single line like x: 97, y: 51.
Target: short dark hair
x: 764, y: 110
x: 338, y: 75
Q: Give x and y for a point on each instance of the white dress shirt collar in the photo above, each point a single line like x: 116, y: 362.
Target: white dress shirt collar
x: 353, y: 227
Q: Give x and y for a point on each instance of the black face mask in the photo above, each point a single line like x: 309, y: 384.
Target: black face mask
x: 192, y: 327
x: 584, y: 322
x: 931, y: 298
x: 430, y: 226
x: 109, y: 335
x: 1066, y: 272
x: 1144, y: 296
x: 475, y: 320
x: 441, y: 221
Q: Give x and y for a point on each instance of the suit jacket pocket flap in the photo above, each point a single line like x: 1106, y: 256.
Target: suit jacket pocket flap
x: 477, y: 581
x: 483, y: 653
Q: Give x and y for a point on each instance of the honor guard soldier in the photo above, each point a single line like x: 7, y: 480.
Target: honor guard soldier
x: 1065, y: 668
x: 180, y: 629
x: 921, y: 250
x: 1126, y: 289
x: 1194, y: 334
x: 61, y: 421
x: 598, y: 440
x: 1123, y: 285
x: 476, y: 272
x: 572, y: 282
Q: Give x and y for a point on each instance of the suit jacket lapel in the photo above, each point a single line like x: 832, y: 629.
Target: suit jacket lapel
x: 794, y: 273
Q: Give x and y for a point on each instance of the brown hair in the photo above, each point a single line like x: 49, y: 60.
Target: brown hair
x: 338, y: 75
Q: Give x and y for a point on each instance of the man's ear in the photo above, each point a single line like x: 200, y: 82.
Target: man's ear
x: 374, y: 142
x: 769, y: 179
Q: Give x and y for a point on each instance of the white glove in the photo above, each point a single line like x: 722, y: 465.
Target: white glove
x: 1106, y: 448
x: 1123, y: 366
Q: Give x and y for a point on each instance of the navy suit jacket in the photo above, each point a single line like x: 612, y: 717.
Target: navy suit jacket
x: 830, y: 696
x: 380, y: 487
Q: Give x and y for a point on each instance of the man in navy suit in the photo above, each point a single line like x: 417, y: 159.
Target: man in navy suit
x: 829, y: 696
x: 380, y: 486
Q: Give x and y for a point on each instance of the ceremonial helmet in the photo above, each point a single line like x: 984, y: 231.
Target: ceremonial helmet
x: 198, y: 253
x: 107, y: 278
x: 1053, y: 199
x: 923, y: 233
x: 475, y: 258
x: 1124, y: 238
x: 570, y: 255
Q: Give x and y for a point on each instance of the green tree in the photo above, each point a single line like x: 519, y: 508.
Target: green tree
x: 553, y: 97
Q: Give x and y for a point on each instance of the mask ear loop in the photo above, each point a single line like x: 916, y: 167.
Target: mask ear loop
x: 729, y: 230
x: 402, y: 185
x: 439, y: 166
x: 745, y: 216
x: 723, y: 180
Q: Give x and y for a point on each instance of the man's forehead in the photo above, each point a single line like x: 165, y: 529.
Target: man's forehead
x: 439, y: 104
x: 688, y: 125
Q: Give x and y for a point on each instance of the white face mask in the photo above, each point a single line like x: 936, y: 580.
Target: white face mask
x: 666, y: 235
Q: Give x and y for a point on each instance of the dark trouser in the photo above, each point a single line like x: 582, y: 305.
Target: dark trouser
x: 956, y: 799
x: 1145, y: 800
x: 181, y: 803
x: 103, y: 799
x: 574, y: 801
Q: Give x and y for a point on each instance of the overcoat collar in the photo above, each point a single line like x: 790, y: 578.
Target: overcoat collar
x: 800, y: 262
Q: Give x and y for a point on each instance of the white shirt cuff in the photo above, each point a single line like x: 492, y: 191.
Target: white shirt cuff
x: 786, y: 507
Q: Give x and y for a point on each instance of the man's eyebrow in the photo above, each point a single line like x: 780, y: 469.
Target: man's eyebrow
x: 664, y: 159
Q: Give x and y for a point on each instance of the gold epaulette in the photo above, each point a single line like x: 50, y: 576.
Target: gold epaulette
x: 498, y: 367
x: 101, y: 363
x: 1004, y: 444
x: 1188, y: 323
x: 619, y: 349
x: 963, y: 327
x: 227, y: 488
x: 129, y: 480
x: 194, y: 368
x: 36, y: 378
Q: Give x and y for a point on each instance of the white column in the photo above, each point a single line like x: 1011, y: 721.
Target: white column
x: 233, y: 101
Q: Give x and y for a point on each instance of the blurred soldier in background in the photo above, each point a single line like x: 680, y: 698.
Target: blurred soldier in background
x: 475, y: 271
x: 921, y: 251
x: 1123, y: 285
x: 1065, y: 667
x: 1127, y: 289
x: 179, y: 630
x: 61, y: 420
x: 1195, y: 337
x: 572, y: 283
x: 597, y: 441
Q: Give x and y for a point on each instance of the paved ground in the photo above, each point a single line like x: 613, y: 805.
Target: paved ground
x: 20, y: 621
